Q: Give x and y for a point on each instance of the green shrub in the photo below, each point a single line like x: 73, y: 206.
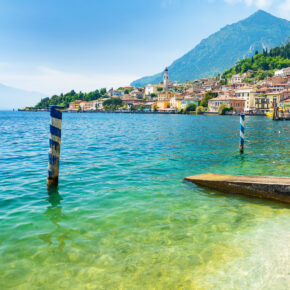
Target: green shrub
x: 199, y: 110
x: 190, y: 108
x: 222, y: 109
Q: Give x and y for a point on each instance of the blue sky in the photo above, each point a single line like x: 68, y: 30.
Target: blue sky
x: 53, y: 46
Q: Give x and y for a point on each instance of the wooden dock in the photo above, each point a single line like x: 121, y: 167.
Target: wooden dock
x: 276, y: 188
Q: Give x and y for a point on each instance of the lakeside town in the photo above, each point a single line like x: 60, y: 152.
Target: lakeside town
x: 208, y: 95
x: 172, y: 97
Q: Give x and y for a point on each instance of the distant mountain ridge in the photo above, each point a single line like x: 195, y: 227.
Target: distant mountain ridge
x: 13, y: 98
x: 224, y: 48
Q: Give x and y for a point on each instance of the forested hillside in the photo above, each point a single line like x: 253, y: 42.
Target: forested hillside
x: 64, y: 99
x: 262, y: 64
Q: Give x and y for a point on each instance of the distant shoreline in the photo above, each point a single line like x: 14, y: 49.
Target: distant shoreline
x: 143, y: 112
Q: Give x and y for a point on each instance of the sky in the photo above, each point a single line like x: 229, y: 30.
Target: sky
x: 53, y: 46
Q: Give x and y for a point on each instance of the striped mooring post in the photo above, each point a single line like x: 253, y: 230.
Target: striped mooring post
x: 242, y: 129
x: 54, y: 146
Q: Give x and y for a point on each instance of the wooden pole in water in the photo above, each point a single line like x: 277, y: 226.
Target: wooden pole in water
x: 54, y: 146
x: 242, y: 126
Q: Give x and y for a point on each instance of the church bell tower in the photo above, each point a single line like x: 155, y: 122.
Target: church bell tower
x: 165, y: 79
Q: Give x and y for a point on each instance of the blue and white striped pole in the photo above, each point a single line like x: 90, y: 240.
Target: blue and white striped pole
x: 242, y: 130
x: 54, y: 145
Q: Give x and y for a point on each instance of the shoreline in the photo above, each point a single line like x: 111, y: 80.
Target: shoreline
x: 144, y: 112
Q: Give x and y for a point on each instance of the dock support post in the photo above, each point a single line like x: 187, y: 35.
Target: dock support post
x: 54, y: 146
x: 242, y: 126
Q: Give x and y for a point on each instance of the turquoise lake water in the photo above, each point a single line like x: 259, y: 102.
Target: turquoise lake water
x: 124, y: 219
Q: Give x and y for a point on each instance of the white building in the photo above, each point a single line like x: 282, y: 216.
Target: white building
x: 149, y: 89
x: 247, y: 94
x: 236, y: 79
x: 282, y: 72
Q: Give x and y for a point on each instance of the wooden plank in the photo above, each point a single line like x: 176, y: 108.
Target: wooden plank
x: 270, y: 187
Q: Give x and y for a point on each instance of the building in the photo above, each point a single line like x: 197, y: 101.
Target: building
x: 283, y: 72
x: 166, y: 79
x: 88, y: 106
x: 118, y: 93
x: 286, y: 104
x: 235, y: 79
x: 248, y: 94
x: 238, y: 104
x: 152, y: 89
x: 261, y: 104
x: 175, y: 101
x: 74, y: 106
x: 163, y: 100
x: 273, y: 97
x: 213, y: 104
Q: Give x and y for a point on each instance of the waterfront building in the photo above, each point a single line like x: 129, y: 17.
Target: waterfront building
x: 238, y: 104
x: 88, y: 106
x: 175, y: 101
x: 261, y: 103
x: 273, y: 97
x: 213, y: 104
x: 248, y: 94
x: 74, y: 106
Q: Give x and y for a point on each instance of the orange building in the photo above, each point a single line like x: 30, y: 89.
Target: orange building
x: 74, y: 106
x: 238, y: 105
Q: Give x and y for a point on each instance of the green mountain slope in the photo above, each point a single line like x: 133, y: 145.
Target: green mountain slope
x: 224, y: 48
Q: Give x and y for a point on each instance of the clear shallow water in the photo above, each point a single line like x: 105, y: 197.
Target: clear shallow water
x: 124, y: 219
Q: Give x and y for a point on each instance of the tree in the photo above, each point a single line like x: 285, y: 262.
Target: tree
x: 159, y: 89
x: 199, y: 110
x: 127, y: 91
x: 190, y: 107
x: 209, y: 95
x: 153, y: 96
x: 112, y: 104
x: 103, y: 91
x: 142, y: 107
x: 223, y: 108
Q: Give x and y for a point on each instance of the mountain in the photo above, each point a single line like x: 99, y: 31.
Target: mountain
x: 13, y: 98
x: 224, y: 48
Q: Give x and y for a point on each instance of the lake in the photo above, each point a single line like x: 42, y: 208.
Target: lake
x: 123, y: 218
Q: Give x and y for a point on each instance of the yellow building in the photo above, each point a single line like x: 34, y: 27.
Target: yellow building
x: 175, y: 101
x: 273, y: 97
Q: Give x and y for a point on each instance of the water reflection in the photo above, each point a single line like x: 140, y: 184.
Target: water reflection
x: 59, y: 235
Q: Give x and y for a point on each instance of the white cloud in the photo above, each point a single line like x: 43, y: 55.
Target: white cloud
x: 168, y: 3
x: 284, y: 9
x: 277, y: 7
x: 51, y: 81
x: 258, y: 3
